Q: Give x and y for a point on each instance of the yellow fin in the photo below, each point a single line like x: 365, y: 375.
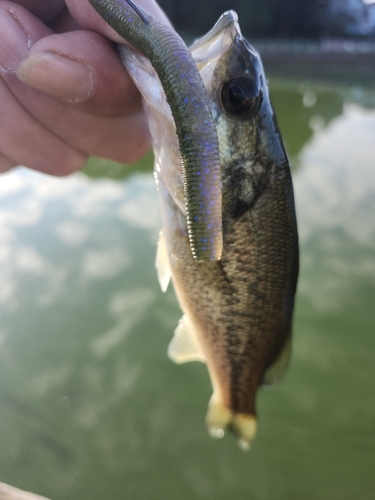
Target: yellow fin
x: 184, y: 345
x: 162, y: 263
x: 276, y: 371
x: 219, y: 417
x: 245, y: 428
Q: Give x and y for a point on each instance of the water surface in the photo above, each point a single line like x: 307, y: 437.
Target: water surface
x: 90, y: 405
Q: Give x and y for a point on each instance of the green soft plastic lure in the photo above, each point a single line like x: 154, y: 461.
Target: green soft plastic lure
x: 186, y: 96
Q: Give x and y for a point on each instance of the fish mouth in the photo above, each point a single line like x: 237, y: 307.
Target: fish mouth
x: 227, y: 22
x: 215, y: 43
x: 210, y: 48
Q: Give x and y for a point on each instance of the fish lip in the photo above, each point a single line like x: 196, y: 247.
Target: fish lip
x: 210, y: 47
x: 226, y: 22
x: 227, y: 19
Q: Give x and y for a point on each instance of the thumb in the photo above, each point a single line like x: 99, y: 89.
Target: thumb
x: 79, y: 68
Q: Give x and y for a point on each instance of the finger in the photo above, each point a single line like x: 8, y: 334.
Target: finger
x: 123, y: 139
x: 81, y: 68
x: 88, y: 18
x: 64, y: 23
x: 24, y: 141
x: 19, y: 29
x: 6, y: 164
x: 46, y: 11
x: 119, y: 138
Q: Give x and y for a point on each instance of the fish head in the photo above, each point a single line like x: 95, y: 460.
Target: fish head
x: 236, y: 86
x: 235, y: 81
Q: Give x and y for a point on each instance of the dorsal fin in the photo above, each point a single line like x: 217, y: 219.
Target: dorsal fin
x: 162, y: 263
x: 276, y: 371
x: 184, y: 346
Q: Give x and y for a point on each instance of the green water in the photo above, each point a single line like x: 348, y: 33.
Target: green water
x: 90, y: 406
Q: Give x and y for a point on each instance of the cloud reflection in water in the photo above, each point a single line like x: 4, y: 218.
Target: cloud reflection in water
x: 88, y: 397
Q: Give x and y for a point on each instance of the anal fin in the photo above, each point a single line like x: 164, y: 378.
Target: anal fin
x: 162, y: 263
x: 184, y: 346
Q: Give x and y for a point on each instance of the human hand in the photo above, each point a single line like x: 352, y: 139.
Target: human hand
x: 64, y: 94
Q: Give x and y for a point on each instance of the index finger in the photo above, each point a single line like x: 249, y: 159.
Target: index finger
x: 45, y: 11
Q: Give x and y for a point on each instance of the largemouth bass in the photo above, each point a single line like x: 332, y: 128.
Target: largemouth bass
x: 237, y: 310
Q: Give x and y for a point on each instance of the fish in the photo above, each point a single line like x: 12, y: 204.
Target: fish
x: 238, y: 308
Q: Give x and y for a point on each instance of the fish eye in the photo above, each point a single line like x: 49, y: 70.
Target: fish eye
x: 240, y: 97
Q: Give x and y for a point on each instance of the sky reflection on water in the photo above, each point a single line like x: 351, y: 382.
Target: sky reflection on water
x: 90, y: 406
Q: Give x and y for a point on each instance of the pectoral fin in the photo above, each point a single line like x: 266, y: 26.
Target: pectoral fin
x: 184, y: 346
x: 162, y: 263
x: 276, y: 371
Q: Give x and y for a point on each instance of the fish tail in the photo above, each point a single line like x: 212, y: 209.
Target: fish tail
x: 243, y: 425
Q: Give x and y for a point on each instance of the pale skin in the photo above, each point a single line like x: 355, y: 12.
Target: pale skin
x: 64, y: 94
